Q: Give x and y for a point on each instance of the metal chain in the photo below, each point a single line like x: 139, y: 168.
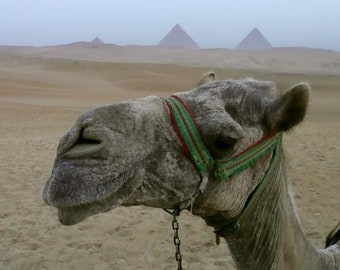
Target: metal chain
x: 177, y: 243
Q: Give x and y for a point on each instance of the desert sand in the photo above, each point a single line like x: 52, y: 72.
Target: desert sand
x: 40, y: 98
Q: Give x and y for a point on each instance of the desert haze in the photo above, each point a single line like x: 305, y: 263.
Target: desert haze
x: 42, y: 92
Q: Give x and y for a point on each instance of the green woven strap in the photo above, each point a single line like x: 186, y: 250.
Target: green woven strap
x: 189, y: 135
x: 271, y: 173
x: 194, y: 147
x: 247, y: 158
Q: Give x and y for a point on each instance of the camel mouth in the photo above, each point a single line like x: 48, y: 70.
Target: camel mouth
x: 72, y: 209
x: 72, y: 215
x: 77, y: 202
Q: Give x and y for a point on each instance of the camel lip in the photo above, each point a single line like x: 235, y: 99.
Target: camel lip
x: 65, y: 218
x: 75, y: 214
x: 74, y: 200
x: 71, y: 215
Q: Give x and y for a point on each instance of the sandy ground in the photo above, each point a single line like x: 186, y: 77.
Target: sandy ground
x: 40, y: 99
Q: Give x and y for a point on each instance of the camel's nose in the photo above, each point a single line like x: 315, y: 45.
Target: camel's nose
x: 80, y: 140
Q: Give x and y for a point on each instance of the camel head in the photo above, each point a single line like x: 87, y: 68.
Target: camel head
x: 129, y: 153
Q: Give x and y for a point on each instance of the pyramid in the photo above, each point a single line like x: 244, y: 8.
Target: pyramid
x: 254, y: 41
x: 97, y: 41
x: 177, y: 37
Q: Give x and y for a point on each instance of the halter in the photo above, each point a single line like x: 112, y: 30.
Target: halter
x: 188, y: 133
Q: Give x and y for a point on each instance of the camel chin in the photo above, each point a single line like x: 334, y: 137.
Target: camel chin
x: 71, y: 216
x: 76, y: 214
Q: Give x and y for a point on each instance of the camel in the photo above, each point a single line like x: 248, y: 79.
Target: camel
x: 215, y: 150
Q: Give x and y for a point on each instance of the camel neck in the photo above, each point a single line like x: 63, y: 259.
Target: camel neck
x: 271, y: 173
x: 270, y: 236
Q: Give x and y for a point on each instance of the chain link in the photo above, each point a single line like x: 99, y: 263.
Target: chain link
x: 177, y: 242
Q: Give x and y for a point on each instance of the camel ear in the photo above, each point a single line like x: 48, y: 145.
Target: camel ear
x: 207, y: 77
x: 288, y: 110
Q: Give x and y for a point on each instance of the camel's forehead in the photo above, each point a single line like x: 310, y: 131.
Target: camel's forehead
x: 230, y: 94
x: 236, y: 88
x: 247, y: 92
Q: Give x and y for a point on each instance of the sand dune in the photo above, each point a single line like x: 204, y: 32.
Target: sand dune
x: 297, y: 60
x: 40, y: 97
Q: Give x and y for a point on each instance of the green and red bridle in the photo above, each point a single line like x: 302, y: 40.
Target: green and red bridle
x: 188, y: 132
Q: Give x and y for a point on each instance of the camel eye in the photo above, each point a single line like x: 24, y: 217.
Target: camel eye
x: 224, y: 143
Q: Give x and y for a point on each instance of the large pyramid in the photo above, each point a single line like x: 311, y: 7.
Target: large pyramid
x: 97, y: 41
x: 177, y: 37
x: 254, y: 41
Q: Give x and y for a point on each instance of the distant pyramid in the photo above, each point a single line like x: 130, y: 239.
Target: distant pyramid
x: 97, y: 41
x: 254, y: 41
x: 177, y: 37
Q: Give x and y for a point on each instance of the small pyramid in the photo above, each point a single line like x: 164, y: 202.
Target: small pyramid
x: 177, y: 37
x: 254, y: 41
x: 97, y: 41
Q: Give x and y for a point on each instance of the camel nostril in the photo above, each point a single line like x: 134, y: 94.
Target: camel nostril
x: 84, y: 148
x: 73, y: 135
x: 87, y: 122
x: 85, y: 142
x: 86, y: 139
x: 88, y: 143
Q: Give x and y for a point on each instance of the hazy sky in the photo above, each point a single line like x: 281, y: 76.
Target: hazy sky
x: 211, y: 23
